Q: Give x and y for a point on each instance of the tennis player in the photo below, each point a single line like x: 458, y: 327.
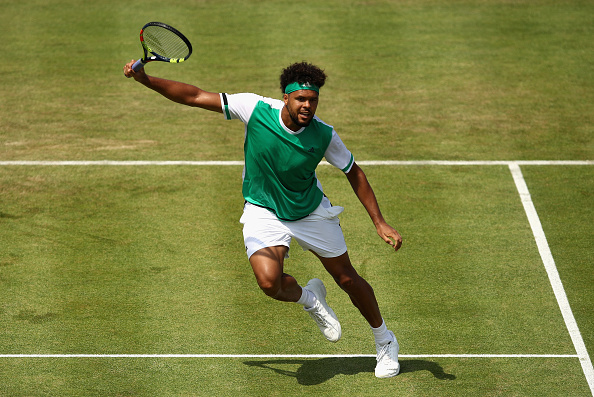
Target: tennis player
x: 284, y: 143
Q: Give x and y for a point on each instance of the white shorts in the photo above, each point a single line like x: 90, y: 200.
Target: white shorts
x: 319, y: 232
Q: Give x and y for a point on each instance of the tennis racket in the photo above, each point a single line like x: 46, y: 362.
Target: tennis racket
x: 164, y: 43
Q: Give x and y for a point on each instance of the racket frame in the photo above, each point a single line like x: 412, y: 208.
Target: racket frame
x: 139, y: 64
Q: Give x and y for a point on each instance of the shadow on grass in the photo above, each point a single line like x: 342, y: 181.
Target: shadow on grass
x: 316, y: 371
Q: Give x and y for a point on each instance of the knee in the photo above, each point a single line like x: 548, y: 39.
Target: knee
x: 269, y: 287
x: 352, y: 283
x: 348, y: 282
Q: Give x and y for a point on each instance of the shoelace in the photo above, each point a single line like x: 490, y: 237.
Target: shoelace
x: 384, y: 351
x: 320, y: 319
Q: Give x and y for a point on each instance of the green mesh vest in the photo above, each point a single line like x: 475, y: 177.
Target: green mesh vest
x: 280, y: 166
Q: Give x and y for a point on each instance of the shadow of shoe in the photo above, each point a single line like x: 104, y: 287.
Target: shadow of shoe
x: 316, y: 371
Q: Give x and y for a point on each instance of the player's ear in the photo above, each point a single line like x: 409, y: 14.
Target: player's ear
x: 286, y: 98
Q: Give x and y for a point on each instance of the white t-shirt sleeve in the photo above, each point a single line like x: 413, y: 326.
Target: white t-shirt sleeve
x: 239, y: 106
x: 338, y: 155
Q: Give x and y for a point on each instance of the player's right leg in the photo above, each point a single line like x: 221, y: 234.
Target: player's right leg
x: 267, y: 264
x: 320, y: 311
x: 267, y: 242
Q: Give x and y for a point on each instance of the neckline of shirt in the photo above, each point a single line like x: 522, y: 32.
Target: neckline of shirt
x: 290, y: 131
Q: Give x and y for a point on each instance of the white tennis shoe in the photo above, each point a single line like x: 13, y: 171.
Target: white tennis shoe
x: 387, y: 359
x: 322, y: 314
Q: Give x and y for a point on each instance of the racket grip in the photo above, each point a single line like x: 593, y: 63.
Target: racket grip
x: 138, y: 65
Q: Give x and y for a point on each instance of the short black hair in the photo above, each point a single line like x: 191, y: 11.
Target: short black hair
x: 302, y: 72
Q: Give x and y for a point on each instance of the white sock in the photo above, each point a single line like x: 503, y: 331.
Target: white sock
x: 381, y: 334
x: 308, y: 299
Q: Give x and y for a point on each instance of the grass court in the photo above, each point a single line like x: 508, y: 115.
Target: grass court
x: 122, y: 270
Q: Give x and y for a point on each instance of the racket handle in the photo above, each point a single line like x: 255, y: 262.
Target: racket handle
x: 138, y: 65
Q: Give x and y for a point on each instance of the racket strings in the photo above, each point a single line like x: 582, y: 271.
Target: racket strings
x: 165, y: 42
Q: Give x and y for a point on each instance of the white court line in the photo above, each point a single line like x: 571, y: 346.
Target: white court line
x: 284, y: 355
x: 227, y: 163
x: 554, y: 278
x: 478, y: 162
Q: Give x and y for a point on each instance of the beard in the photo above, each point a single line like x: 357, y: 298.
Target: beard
x: 295, y: 119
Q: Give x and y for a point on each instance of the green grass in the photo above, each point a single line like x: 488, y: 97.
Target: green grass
x: 280, y: 377
x: 124, y: 259
x: 423, y: 78
x: 137, y: 262
x: 563, y: 197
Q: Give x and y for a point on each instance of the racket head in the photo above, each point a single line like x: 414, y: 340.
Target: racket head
x: 164, y: 43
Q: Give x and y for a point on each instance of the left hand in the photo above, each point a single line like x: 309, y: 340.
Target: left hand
x: 390, y: 235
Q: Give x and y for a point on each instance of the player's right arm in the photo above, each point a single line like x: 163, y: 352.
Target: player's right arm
x: 175, y: 91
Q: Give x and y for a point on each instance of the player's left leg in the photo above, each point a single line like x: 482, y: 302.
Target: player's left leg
x: 363, y: 297
x: 358, y: 290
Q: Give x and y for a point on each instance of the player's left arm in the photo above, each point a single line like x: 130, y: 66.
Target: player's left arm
x: 364, y: 192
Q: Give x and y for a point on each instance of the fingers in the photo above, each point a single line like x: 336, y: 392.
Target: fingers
x: 395, y: 241
x: 398, y: 243
x: 128, y: 71
x: 391, y: 236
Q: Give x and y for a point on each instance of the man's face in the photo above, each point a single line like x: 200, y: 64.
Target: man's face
x: 302, y: 105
